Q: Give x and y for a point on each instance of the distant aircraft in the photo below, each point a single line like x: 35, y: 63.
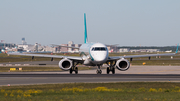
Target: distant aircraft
x: 94, y: 54
x: 168, y: 51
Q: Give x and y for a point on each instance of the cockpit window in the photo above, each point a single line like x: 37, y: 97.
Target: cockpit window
x: 99, y: 49
x: 103, y: 48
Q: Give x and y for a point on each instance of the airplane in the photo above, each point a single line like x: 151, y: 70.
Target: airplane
x: 93, y: 54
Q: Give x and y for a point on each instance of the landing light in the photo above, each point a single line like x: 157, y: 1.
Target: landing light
x: 88, y: 57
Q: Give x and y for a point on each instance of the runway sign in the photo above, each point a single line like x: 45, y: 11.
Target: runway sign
x: 12, y: 68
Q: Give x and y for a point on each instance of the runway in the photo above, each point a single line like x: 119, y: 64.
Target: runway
x: 26, y: 79
x: 134, y: 74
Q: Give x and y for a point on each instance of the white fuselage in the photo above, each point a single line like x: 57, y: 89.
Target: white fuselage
x: 93, y: 53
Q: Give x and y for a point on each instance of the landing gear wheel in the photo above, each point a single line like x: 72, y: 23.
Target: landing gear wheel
x: 76, y: 70
x: 113, y: 70
x: 99, y: 71
x: 70, y: 71
x: 107, y: 70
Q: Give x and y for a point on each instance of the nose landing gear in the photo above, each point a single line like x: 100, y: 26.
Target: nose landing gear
x: 99, y: 71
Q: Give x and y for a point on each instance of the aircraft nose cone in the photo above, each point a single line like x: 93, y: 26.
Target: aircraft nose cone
x: 100, y: 57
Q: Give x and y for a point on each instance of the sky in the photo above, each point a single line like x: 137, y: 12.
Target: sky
x: 122, y: 22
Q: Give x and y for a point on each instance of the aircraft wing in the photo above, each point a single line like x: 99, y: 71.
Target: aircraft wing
x: 136, y: 56
x: 146, y: 55
x: 51, y: 56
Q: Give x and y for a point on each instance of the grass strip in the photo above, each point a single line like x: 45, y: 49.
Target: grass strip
x: 134, y: 91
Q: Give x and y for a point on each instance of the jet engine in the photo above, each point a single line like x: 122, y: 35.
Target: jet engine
x: 65, y: 64
x: 122, y: 64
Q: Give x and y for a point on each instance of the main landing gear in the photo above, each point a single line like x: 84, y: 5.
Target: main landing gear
x: 111, y: 68
x: 74, y: 68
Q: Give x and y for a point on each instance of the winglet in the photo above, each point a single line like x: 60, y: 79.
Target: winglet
x: 85, y: 29
x: 177, y: 47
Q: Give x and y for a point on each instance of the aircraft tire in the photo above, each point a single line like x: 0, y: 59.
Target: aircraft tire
x: 98, y: 71
x: 113, y: 70
x: 76, y: 70
x: 70, y: 71
x: 107, y: 70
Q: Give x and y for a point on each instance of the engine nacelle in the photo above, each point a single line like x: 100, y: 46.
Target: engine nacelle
x: 122, y: 64
x: 65, y: 64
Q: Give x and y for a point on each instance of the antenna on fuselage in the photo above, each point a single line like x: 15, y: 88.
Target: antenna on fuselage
x: 85, y: 29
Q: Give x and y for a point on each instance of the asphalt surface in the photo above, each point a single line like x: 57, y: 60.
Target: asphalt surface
x: 134, y: 74
x: 26, y: 79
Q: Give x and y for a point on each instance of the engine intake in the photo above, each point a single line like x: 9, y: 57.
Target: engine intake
x: 122, y: 64
x: 65, y: 64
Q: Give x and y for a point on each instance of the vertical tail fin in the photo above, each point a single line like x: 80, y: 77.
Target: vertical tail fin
x: 85, y: 29
x: 177, y: 47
